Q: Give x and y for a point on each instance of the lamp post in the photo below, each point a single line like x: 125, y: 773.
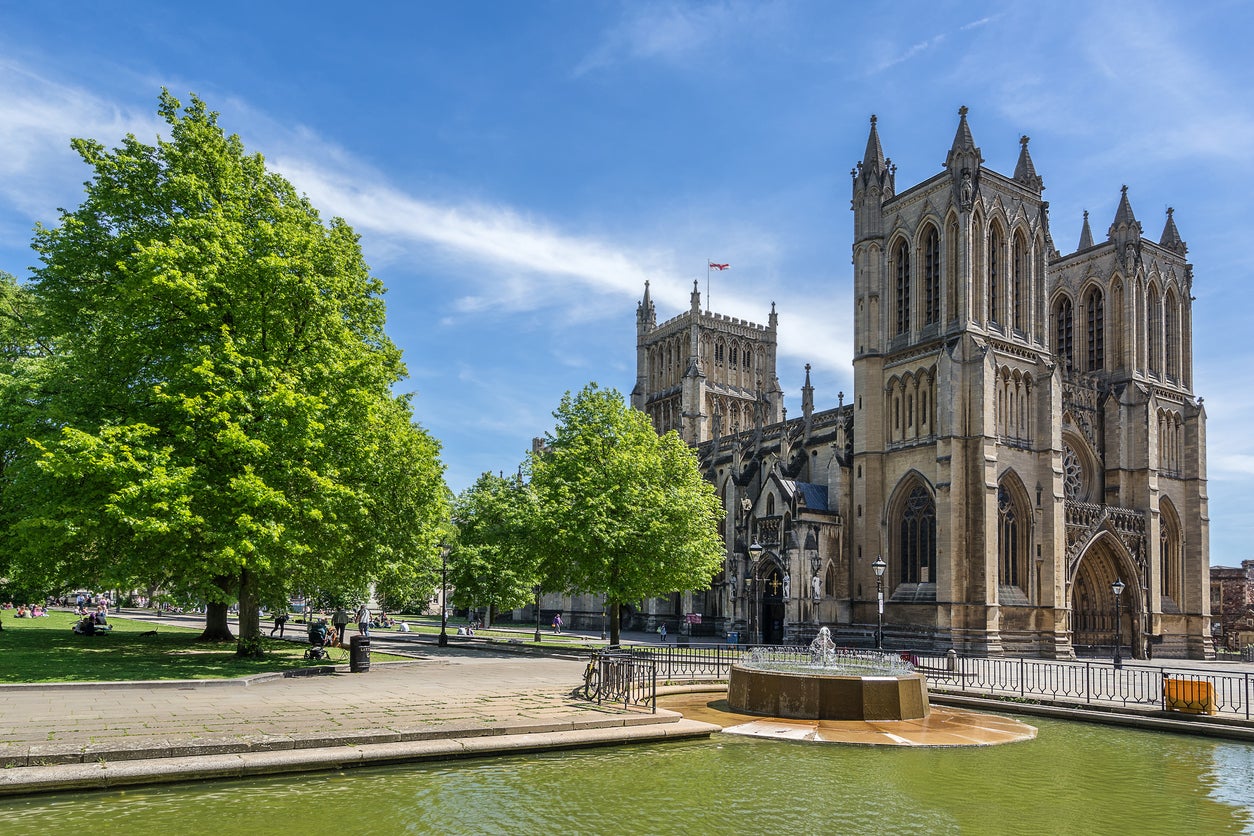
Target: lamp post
x: 879, y: 566
x: 755, y: 552
x: 444, y: 550
x: 536, y: 590
x: 602, y: 622
x: 812, y: 547
x: 1117, y: 588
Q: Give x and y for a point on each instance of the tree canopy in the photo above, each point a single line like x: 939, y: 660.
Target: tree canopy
x: 621, y: 511
x: 217, y: 395
x: 492, y: 564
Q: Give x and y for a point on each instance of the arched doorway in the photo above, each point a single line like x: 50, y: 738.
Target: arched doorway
x: 772, y: 605
x: 1093, y: 630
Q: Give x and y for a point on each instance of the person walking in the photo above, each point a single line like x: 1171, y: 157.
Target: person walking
x: 557, y: 623
x: 280, y: 619
x: 363, y: 620
x: 339, y: 620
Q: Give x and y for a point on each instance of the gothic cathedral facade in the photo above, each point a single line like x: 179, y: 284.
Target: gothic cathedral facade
x: 1023, y: 433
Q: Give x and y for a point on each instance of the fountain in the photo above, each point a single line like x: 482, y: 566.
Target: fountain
x: 827, y: 684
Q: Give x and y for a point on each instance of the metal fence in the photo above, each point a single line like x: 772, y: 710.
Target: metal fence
x: 630, y: 676
x: 617, y: 677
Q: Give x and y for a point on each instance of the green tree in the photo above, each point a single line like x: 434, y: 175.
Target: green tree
x: 219, y: 387
x: 622, y: 511
x: 492, y: 563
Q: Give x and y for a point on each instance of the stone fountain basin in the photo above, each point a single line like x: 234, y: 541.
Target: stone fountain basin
x: 813, y: 694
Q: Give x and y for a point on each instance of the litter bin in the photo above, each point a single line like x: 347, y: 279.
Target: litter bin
x: 733, y: 637
x: 359, y: 654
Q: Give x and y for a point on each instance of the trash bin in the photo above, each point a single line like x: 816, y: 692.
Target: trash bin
x: 359, y: 654
x: 733, y: 637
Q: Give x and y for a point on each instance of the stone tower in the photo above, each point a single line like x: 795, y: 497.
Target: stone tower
x: 703, y: 374
x: 1016, y: 415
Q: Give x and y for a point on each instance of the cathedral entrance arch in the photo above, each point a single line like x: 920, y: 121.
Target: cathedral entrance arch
x: 772, y: 614
x: 1093, y: 630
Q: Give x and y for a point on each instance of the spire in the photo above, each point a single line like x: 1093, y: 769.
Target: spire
x: 875, y: 172
x: 807, y: 396
x: 1125, y: 233
x: 1123, y: 215
x: 963, y: 162
x: 963, y: 149
x: 874, y: 160
x: 1025, y: 172
x: 696, y: 297
x: 1086, y: 234
x: 772, y: 321
x: 646, y: 314
x: 1171, y: 236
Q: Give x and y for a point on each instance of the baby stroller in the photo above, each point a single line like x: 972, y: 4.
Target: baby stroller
x: 322, y: 640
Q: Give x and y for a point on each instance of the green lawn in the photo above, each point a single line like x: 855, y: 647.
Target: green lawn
x: 45, y: 650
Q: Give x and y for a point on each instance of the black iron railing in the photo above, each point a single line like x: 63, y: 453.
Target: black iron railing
x: 630, y: 676
x: 616, y: 677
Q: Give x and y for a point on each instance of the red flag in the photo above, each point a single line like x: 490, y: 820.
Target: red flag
x: 714, y: 266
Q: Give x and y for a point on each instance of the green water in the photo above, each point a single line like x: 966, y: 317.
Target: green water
x: 1074, y: 778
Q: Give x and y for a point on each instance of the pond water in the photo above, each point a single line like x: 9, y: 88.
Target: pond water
x: 1074, y: 778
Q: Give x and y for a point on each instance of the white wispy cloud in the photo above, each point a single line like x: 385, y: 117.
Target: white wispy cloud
x: 676, y: 33
x: 501, y: 259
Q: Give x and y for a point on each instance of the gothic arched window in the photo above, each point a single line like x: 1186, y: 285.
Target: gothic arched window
x: 1169, y: 551
x: 1064, y: 334
x: 1154, y: 330
x: 1170, y: 336
x: 1019, y: 278
x: 1095, y: 321
x: 931, y: 276
x: 917, y: 533
x: 1011, y: 539
x: 901, y: 259
x: 996, y: 273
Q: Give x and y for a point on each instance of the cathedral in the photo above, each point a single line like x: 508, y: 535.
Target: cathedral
x: 1021, y: 467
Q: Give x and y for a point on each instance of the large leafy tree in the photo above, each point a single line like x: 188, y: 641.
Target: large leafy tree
x: 621, y: 511
x: 492, y: 563
x: 219, y: 387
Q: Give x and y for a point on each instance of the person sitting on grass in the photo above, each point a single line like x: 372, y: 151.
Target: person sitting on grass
x: 85, y: 626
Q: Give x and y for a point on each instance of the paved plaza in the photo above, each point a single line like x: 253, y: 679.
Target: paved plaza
x: 449, y: 702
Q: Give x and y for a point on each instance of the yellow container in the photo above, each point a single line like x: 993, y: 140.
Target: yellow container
x: 1192, y: 696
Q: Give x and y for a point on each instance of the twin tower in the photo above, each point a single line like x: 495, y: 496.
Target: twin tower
x: 1023, y: 432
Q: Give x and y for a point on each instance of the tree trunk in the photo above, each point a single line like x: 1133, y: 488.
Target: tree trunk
x: 249, y: 617
x: 614, y: 622
x: 216, y: 627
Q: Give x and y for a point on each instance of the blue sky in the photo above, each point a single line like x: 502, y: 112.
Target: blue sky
x: 517, y: 170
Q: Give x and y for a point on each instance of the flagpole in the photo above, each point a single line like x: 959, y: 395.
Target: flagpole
x: 708, y: 306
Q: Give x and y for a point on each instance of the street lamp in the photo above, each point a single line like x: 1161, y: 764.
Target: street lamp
x: 444, y: 550
x: 1117, y: 588
x: 603, y: 622
x: 755, y: 552
x: 879, y: 566
x: 536, y: 590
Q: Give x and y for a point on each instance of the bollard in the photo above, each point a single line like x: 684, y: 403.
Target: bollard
x: 951, y: 660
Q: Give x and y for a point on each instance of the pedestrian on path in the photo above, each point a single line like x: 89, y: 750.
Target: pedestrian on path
x: 339, y: 620
x: 557, y: 623
x: 661, y: 632
x: 363, y: 620
x: 280, y: 619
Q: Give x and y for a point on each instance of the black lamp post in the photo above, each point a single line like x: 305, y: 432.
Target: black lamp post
x: 755, y: 552
x: 444, y: 550
x: 879, y: 566
x: 602, y: 622
x: 536, y: 590
x: 1117, y: 588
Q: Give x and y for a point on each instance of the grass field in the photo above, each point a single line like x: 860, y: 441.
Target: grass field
x: 45, y: 650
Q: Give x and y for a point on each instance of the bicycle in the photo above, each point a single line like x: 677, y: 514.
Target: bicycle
x: 592, y: 678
